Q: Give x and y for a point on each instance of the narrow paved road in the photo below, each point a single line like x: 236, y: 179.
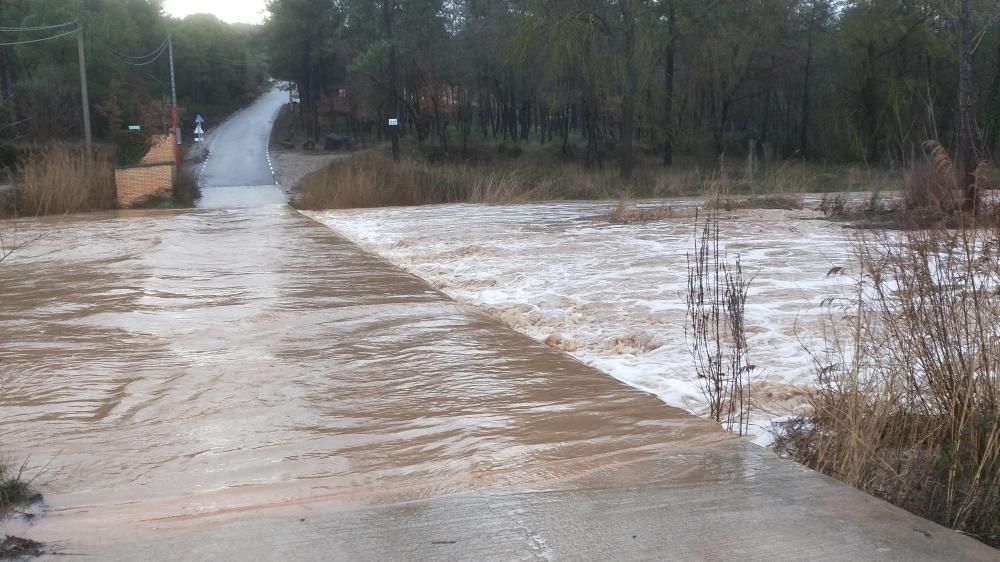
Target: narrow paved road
x: 238, y: 154
x: 241, y: 384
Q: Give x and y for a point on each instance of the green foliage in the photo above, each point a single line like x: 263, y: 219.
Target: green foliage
x: 218, y: 67
x: 831, y: 80
x: 131, y: 148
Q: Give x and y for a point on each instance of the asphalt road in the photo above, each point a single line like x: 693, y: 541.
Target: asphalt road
x: 238, y: 154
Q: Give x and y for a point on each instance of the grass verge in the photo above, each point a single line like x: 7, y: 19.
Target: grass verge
x: 372, y: 179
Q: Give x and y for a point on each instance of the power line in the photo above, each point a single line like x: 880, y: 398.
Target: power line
x: 155, y: 53
x: 39, y: 28
x: 40, y: 40
x: 136, y: 63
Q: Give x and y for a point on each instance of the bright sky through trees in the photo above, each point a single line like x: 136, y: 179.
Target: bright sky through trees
x: 241, y: 11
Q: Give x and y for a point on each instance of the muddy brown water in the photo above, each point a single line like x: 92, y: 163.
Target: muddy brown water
x: 175, y: 364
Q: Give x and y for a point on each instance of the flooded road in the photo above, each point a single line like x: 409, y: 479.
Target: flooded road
x: 238, y: 382
x: 615, y: 295
x: 151, y: 357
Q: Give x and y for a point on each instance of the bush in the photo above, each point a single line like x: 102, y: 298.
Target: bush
x: 186, y: 190
x: 15, y: 491
x: 131, y: 148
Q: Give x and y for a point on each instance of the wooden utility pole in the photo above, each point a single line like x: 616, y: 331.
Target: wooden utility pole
x: 85, y: 100
x: 173, y: 103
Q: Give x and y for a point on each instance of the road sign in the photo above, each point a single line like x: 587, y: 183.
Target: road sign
x: 199, y: 120
x: 134, y: 128
x: 198, y: 130
x: 393, y: 122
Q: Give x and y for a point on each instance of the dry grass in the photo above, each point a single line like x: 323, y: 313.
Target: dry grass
x: 61, y: 179
x: 372, y: 179
x: 931, y: 198
x: 783, y: 202
x: 15, y: 490
x: 908, y: 400
x: 715, y: 328
x: 626, y: 212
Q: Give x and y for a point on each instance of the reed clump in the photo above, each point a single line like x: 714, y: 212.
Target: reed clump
x: 60, y: 178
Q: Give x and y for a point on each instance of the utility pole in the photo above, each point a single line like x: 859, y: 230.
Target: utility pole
x: 173, y: 101
x: 83, y: 93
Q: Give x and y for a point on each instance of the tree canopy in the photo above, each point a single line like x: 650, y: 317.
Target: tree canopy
x: 839, y: 80
x: 219, y: 67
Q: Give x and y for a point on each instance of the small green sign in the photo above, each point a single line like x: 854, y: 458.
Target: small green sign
x: 134, y: 127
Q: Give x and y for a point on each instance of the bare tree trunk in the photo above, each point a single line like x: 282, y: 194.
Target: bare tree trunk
x: 627, y: 158
x: 993, y: 106
x: 668, y: 76
x: 967, y: 157
x: 806, y: 79
x: 392, y: 105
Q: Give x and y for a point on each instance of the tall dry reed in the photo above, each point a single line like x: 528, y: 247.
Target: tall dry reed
x: 715, y: 329
x: 60, y: 178
x: 908, y: 399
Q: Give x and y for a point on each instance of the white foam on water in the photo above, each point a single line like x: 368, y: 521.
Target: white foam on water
x: 613, y: 296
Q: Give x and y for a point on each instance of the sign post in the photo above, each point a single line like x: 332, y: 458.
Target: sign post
x: 394, y: 131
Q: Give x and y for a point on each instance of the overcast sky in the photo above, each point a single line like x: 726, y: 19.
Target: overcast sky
x: 232, y: 11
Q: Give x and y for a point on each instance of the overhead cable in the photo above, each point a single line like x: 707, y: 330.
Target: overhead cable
x: 141, y: 60
x: 38, y: 28
x: 40, y: 40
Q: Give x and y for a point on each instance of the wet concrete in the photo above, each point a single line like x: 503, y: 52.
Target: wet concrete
x: 241, y: 383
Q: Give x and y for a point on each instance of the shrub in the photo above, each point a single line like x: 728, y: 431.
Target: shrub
x: 15, y: 490
x: 908, y: 400
x: 131, y: 148
x: 715, y: 327
x: 186, y: 190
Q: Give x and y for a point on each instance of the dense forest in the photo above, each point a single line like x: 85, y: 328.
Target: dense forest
x: 219, y: 67
x: 677, y: 80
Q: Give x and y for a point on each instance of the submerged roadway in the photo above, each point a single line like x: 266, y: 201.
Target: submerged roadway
x: 236, y: 382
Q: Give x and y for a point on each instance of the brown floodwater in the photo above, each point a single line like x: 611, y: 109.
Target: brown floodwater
x: 170, y: 364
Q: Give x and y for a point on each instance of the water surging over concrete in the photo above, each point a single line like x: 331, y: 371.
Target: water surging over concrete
x: 168, y: 365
